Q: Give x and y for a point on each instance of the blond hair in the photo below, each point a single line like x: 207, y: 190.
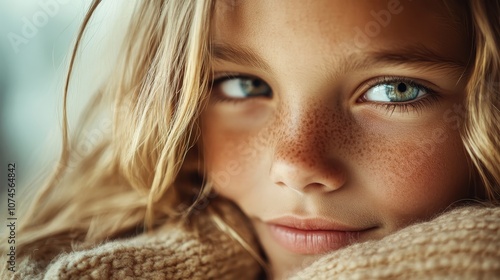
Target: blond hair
x: 482, y: 130
x: 136, y: 168
x: 158, y: 90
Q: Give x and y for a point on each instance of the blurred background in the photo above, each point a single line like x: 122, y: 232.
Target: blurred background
x: 36, y: 37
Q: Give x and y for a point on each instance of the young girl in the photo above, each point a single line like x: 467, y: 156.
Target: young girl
x: 307, y: 139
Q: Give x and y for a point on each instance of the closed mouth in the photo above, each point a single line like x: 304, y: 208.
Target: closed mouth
x: 313, y: 236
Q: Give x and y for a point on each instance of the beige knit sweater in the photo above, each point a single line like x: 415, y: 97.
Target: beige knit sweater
x: 462, y: 244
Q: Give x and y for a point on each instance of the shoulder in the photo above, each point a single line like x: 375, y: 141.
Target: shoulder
x: 461, y: 244
x: 170, y: 252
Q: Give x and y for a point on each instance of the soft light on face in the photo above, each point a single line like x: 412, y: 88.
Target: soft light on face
x: 332, y: 122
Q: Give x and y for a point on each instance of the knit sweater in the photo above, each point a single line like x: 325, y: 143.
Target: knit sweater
x: 462, y: 244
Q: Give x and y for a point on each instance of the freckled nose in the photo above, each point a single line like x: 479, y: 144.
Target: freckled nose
x: 303, y: 156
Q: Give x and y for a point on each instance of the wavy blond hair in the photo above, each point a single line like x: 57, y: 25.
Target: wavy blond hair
x: 481, y: 136
x: 136, y: 178
x: 131, y: 179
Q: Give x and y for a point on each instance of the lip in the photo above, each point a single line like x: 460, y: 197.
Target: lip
x: 312, y: 236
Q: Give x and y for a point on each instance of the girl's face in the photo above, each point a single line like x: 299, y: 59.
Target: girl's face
x: 333, y: 122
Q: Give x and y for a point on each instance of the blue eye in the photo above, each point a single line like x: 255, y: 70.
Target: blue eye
x: 241, y: 87
x: 398, y: 91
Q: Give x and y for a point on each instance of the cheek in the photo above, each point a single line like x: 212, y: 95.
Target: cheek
x: 231, y: 160
x: 418, y: 177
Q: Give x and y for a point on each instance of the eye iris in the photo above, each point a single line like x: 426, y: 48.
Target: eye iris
x: 254, y: 87
x: 402, y: 92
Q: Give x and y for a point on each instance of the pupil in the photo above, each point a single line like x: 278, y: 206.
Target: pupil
x: 402, y: 87
x: 255, y: 83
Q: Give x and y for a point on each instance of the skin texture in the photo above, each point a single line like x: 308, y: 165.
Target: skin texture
x: 316, y: 148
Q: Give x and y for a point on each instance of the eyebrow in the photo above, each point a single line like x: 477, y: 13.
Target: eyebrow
x: 238, y: 55
x: 418, y: 56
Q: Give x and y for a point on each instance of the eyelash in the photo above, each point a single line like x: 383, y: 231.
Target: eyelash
x: 402, y: 107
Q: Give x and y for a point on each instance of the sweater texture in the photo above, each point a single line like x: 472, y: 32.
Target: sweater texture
x: 463, y: 243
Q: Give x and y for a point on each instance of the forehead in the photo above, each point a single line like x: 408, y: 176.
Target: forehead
x: 316, y: 28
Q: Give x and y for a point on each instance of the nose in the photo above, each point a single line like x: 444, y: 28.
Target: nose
x: 304, y: 158
x: 306, y: 178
